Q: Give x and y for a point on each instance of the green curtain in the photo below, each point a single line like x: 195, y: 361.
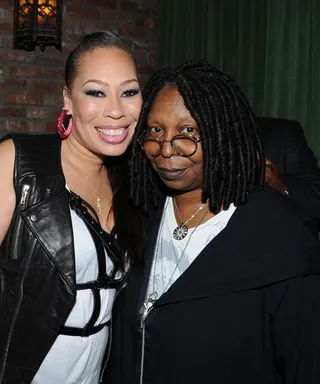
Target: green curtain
x: 270, y: 48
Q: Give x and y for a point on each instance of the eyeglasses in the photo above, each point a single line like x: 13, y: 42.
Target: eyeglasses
x: 185, y: 146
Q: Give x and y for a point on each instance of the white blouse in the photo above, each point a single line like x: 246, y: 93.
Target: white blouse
x: 168, y: 265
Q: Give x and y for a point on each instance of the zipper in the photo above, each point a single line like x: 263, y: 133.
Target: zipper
x: 145, y: 310
x: 18, y: 235
x: 18, y: 305
x: 110, y: 333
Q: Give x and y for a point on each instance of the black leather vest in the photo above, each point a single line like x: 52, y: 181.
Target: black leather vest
x: 37, y: 267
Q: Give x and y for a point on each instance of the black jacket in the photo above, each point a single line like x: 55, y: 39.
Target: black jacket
x: 247, y: 310
x: 286, y: 146
x: 37, y: 265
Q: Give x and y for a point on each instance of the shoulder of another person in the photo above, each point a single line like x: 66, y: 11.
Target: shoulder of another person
x: 272, y: 218
x: 277, y: 126
x: 269, y: 197
x: 274, y: 210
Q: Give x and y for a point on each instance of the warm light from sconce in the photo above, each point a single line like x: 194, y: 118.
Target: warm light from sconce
x: 37, y: 22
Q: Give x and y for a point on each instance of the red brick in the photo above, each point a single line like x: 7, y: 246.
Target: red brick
x: 6, y: 3
x: 46, y: 60
x: 6, y: 27
x: 34, y: 71
x: 146, y: 22
x: 43, y: 113
x: 3, y: 14
x: 7, y: 40
x: 67, y: 47
x: 82, y: 12
x: 74, y: 34
x: 69, y: 23
x: 53, y: 99
x: 111, y: 4
x: 26, y: 71
x: 125, y: 19
x: 7, y: 111
x: 55, y: 73
x: 25, y: 126
x: 108, y: 15
x: 21, y: 98
x: 127, y: 5
x: 15, y: 55
x: 138, y: 33
x: 15, y: 84
x: 46, y: 86
x: 8, y: 13
x: 89, y: 26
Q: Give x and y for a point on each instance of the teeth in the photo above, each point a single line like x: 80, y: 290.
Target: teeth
x: 112, y: 132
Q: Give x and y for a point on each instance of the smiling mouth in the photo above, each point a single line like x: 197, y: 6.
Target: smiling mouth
x: 112, y: 132
x: 171, y: 174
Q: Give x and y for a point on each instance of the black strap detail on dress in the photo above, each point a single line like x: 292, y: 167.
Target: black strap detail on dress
x: 73, y: 331
x: 102, y: 241
x: 80, y: 207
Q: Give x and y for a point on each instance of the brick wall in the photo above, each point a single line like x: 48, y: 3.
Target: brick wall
x: 31, y: 82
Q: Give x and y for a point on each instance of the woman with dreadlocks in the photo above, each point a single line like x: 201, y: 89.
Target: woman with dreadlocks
x: 228, y: 291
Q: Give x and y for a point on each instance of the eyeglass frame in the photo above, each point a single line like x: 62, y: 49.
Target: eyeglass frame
x: 195, y: 139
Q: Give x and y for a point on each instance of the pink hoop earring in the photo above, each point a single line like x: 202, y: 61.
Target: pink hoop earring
x: 62, y: 122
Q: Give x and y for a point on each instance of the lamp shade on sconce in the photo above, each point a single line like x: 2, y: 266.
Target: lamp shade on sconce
x: 37, y: 23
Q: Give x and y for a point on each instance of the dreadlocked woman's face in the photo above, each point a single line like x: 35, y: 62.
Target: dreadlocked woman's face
x: 169, y: 118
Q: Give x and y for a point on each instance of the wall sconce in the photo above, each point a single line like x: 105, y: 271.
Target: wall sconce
x: 37, y: 23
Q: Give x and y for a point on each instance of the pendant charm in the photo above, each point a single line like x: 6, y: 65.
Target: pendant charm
x: 149, y: 303
x: 153, y: 297
x: 99, y: 206
x: 180, y: 232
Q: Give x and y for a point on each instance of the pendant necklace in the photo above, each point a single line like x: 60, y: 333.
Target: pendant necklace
x: 181, y: 230
x: 98, y: 200
x: 154, y: 295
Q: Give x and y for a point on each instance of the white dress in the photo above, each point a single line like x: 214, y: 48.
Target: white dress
x: 75, y: 359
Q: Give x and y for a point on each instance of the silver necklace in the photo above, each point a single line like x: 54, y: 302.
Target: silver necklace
x: 154, y: 294
x: 181, y: 231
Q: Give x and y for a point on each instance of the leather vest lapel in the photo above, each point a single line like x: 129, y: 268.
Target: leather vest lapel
x: 50, y: 222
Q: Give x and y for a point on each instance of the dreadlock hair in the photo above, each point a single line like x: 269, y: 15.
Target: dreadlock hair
x: 233, y: 158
